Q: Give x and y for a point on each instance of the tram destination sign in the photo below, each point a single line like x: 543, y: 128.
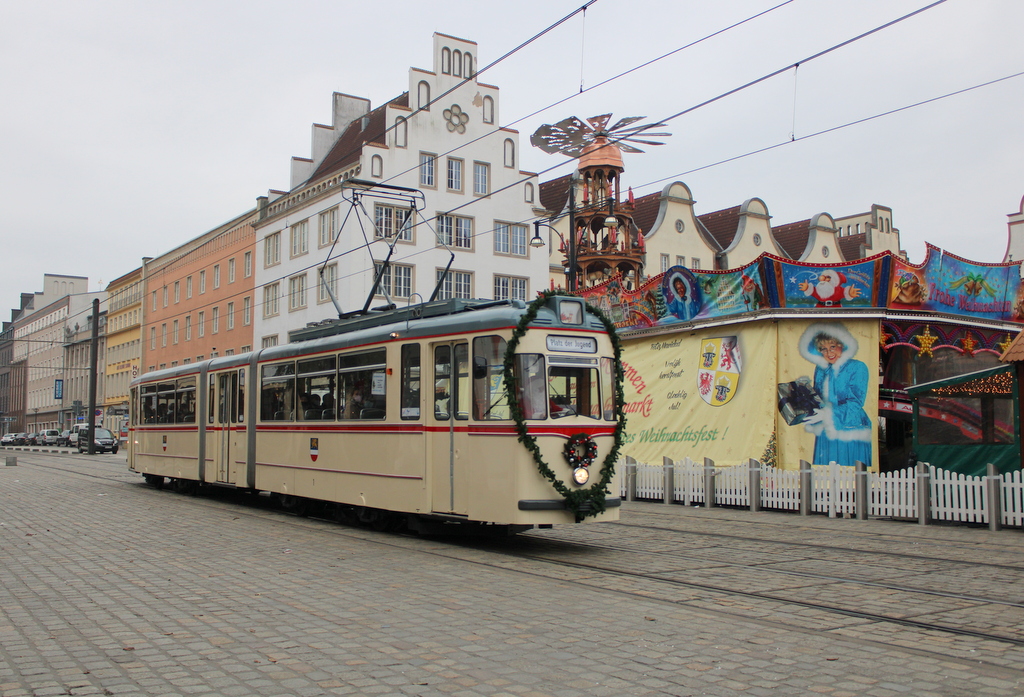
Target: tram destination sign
x: 572, y: 344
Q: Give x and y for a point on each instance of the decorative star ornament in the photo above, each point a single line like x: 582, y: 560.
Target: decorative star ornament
x: 926, y: 340
x: 1005, y: 344
x: 968, y: 343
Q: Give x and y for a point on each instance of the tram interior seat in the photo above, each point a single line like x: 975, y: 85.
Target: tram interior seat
x: 371, y: 413
x: 313, y: 414
x: 328, y: 414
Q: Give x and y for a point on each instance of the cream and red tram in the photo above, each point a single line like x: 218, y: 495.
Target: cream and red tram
x: 401, y: 412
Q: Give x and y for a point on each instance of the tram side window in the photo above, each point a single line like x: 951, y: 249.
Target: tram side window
x: 317, y: 382
x: 442, y: 382
x: 531, y: 383
x: 185, y: 407
x: 608, y: 388
x: 490, y: 400
x: 148, y: 410
x: 362, y: 385
x: 277, y: 392
x: 574, y: 391
x: 411, y: 381
x: 240, y: 391
x: 165, y: 403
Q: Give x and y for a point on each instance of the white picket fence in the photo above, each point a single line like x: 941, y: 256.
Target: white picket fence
x: 952, y: 496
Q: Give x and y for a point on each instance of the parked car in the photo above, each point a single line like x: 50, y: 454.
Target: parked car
x: 62, y: 439
x: 8, y: 439
x: 48, y: 436
x: 103, y: 439
x: 19, y: 438
x: 30, y: 438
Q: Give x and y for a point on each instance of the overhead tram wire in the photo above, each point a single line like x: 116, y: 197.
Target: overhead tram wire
x: 507, y: 125
x: 653, y: 125
x: 834, y: 128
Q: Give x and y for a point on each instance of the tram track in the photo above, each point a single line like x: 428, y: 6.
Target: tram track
x: 519, y: 549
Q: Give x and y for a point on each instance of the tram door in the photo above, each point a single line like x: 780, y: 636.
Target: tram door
x: 228, y: 414
x: 449, y: 428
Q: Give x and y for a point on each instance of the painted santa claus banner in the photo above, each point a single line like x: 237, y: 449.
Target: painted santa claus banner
x: 828, y: 287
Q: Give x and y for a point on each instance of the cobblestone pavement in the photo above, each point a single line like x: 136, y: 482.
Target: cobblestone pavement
x: 109, y: 587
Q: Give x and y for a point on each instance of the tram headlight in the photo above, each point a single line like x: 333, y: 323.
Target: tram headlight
x: 581, y: 475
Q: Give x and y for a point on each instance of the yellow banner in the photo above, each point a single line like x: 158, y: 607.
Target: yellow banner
x: 781, y: 393
x: 706, y: 393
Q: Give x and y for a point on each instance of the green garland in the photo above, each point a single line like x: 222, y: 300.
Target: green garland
x: 581, y: 502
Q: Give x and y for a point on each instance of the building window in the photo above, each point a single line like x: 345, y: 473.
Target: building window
x: 510, y: 153
x: 154, y: 301
x: 247, y: 348
x: 680, y: 260
x: 454, y: 174
x: 246, y: 310
x: 391, y: 221
x: 694, y: 263
x: 528, y: 193
x: 446, y: 61
x: 396, y: 281
x: 297, y: 292
x: 231, y: 270
x: 271, y: 295
x: 423, y: 96
x: 488, y: 116
x: 188, y: 327
x: 664, y: 263
x: 215, y: 320
x: 328, y: 283
x: 481, y: 178
x: 165, y: 296
x: 300, y: 238
x: 457, y: 63
x: 216, y: 276
x: 377, y: 166
x: 202, y: 282
x: 201, y: 324
x: 328, y: 227
x: 509, y: 288
x: 510, y: 239
x: 246, y: 265
x: 426, y: 169
x: 188, y: 287
x: 455, y: 231
x: 457, y: 284
x: 177, y: 292
x: 269, y: 341
x: 272, y: 249
x: 174, y: 332
x: 401, y: 132
x: 467, y: 65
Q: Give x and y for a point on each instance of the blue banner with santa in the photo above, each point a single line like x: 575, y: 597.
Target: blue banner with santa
x: 801, y: 285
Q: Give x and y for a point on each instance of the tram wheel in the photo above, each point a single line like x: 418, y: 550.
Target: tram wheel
x: 154, y: 480
x: 295, y: 505
x: 188, y: 487
x: 346, y: 515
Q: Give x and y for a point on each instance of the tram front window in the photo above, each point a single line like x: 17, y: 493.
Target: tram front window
x: 574, y: 391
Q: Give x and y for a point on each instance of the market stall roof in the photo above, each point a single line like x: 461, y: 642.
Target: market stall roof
x: 997, y: 380
x: 1015, y: 351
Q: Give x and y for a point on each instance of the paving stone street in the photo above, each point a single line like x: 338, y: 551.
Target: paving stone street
x: 110, y: 587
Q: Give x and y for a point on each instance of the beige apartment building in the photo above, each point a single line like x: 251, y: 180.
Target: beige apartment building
x: 123, y: 356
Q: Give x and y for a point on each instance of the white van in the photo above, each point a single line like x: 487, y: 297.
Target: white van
x: 48, y: 436
x: 73, y: 436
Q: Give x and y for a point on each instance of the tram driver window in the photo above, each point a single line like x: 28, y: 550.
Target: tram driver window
x: 532, y: 385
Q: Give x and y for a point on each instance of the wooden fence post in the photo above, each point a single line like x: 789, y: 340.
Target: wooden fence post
x: 995, y: 498
x: 709, y: 482
x: 924, y: 494
x: 863, y: 492
x: 754, y: 487
x: 630, y: 479
x: 806, y: 488
x: 669, y: 468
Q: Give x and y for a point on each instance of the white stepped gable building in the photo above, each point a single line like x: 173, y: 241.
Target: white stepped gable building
x: 475, y: 200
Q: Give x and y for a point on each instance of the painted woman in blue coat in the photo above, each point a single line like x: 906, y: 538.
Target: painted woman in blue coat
x: 841, y: 427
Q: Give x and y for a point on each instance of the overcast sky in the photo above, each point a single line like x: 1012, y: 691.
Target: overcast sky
x: 128, y: 128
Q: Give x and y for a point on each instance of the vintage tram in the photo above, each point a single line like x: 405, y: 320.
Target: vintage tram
x: 403, y: 415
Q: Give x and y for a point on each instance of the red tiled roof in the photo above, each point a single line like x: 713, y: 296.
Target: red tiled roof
x: 554, y: 194
x: 722, y: 225
x: 646, y: 211
x: 349, y: 146
x: 792, y: 238
x: 852, y: 246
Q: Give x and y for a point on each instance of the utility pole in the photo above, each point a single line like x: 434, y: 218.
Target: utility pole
x: 94, y: 351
